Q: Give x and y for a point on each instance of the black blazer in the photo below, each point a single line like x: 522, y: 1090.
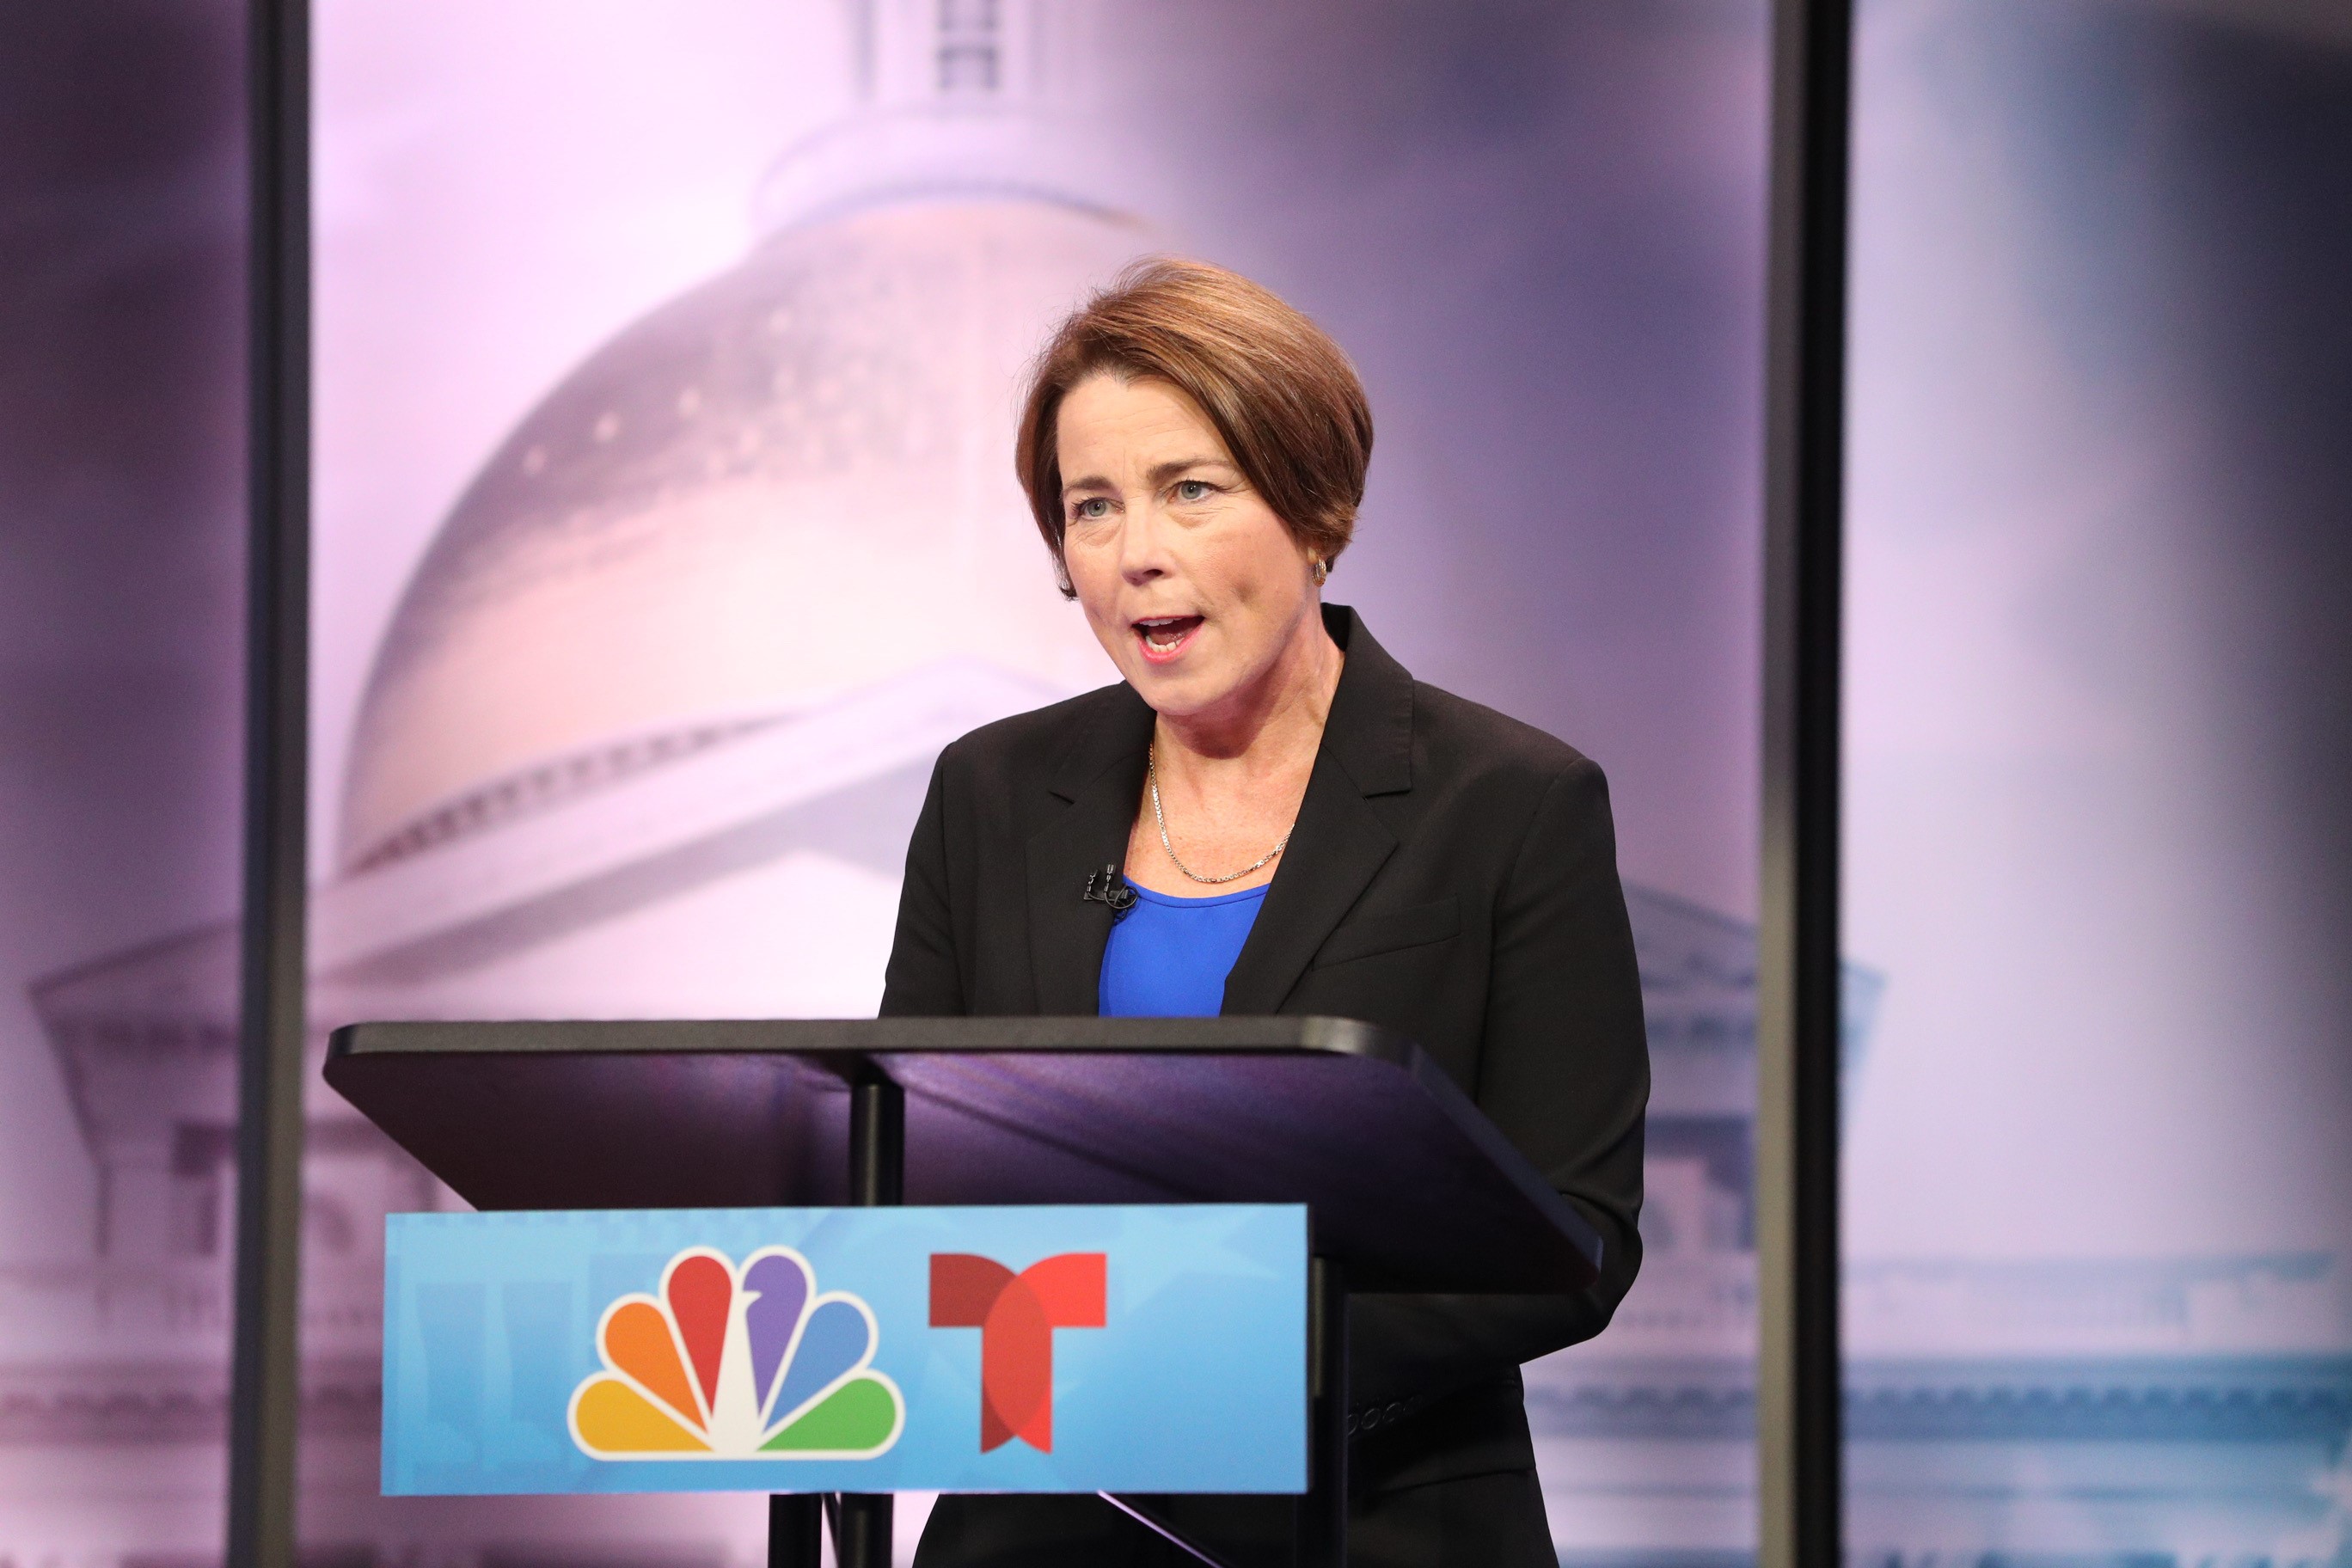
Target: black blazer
x: 1451, y: 876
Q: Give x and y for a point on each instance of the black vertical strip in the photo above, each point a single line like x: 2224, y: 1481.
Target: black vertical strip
x: 795, y: 1529
x: 1323, y: 1512
x: 263, y: 1392
x: 862, y: 1525
x: 1799, y: 1441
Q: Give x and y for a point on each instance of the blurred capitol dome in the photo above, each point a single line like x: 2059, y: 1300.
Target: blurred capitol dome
x: 790, y: 484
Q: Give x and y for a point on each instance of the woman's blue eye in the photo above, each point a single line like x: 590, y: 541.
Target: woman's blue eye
x: 1090, y: 510
x: 1192, y: 489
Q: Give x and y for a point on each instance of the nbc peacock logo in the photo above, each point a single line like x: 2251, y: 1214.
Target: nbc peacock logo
x: 737, y: 1364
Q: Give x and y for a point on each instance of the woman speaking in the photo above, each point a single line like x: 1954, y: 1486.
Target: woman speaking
x: 1305, y: 829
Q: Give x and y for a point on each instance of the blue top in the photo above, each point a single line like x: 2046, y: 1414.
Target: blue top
x: 1168, y: 958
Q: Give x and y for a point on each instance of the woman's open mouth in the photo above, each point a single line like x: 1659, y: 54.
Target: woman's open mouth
x: 1164, y: 637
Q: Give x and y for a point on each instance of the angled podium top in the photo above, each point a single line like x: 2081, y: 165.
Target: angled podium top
x: 1410, y: 1187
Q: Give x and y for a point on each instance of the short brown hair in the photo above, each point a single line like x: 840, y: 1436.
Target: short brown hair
x: 1281, y: 394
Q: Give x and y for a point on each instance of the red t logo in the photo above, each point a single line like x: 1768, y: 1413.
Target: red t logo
x: 1016, y: 1315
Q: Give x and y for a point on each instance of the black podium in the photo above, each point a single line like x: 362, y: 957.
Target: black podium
x: 1408, y: 1187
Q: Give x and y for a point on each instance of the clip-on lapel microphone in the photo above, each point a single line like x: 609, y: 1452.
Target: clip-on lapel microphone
x: 1108, y: 888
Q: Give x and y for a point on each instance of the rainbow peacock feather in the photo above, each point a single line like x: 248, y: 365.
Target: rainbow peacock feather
x: 737, y: 1364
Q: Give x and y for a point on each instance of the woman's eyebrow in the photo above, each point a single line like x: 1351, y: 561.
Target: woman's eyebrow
x: 1163, y: 472
x: 1159, y: 474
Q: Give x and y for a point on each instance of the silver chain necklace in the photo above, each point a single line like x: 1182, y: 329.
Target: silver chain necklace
x: 1152, y: 775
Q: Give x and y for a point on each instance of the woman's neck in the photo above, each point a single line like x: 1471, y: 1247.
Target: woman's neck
x: 1268, y: 723
x: 1228, y: 786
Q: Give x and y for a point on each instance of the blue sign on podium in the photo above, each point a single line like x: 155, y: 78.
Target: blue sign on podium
x: 1075, y: 1349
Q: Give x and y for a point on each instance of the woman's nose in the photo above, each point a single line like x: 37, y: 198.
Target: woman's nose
x: 1143, y: 548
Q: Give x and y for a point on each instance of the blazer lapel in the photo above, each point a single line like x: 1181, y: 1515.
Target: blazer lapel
x: 1338, y: 846
x: 1101, y: 779
x: 1340, y: 842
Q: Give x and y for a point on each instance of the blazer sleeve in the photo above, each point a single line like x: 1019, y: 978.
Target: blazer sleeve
x: 1564, y: 1070
x: 924, y: 979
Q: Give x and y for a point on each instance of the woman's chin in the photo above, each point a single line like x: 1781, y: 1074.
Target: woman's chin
x: 1178, y: 691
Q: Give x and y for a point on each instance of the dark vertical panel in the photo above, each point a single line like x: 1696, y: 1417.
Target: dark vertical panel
x: 1798, y: 1394
x: 263, y: 1405
x: 122, y: 559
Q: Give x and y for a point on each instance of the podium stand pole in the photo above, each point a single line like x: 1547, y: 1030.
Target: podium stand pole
x: 1323, y: 1512
x: 795, y: 1527
x: 877, y: 1177
x: 877, y: 1142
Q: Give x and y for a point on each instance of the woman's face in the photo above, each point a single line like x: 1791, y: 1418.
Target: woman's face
x: 1193, y: 584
